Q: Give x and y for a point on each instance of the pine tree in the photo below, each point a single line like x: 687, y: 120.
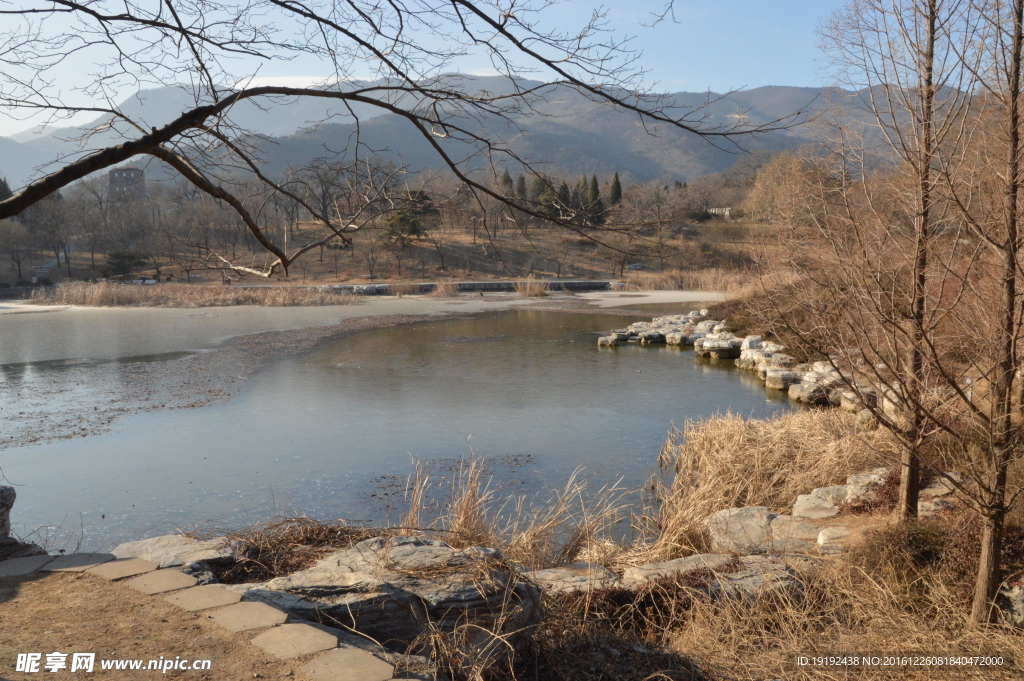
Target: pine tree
x: 521, y: 188
x: 5, y: 189
x: 564, y: 196
x: 595, y: 206
x: 615, y: 193
x: 539, y: 187
x: 507, y: 187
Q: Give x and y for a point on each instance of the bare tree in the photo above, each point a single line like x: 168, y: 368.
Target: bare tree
x: 405, y: 44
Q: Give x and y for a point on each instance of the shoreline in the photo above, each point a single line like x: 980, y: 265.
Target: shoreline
x: 52, y: 411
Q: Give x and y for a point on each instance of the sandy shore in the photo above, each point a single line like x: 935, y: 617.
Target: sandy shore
x: 86, y: 397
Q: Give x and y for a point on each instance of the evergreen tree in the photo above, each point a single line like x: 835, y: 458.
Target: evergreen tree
x: 5, y: 189
x: 507, y: 187
x: 595, y: 206
x: 521, y: 188
x: 539, y: 188
x: 615, y: 193
x: 564, y: 196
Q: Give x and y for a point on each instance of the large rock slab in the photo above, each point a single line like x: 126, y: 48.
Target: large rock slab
x: 811, y: 506
x: 77, y: 562
x: 861, y: 487
x: 294, y: 640
x: 348, y: 664
x: 175, y: 549
x: 672, y: 568
x: 835, y: 494
x: 12, y: 548
x: 759, y: 577
x: 739, y: 530
x: 788, y: 527
x: 16, y: 567
x: 390, y: 588
x: 7, y: 496
x: 780, y: 379
x: 574, y: 578
x: 122, y: 568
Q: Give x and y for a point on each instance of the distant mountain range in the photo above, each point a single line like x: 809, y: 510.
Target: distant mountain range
x: 572, y: 135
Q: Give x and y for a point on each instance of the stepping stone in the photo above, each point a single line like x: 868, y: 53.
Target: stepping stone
x: 349, y: 664
x: 203, y: 597
x: 77, y: 562
x: 121, y: 568
x: 249, y: 615
x: 160, y: 581
x: 16, y: 567
x: 292, y: 640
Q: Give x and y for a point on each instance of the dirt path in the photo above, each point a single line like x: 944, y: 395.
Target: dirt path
x: 74, y: 612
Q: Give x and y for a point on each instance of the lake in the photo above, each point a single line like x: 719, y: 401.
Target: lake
x: 332, y: 432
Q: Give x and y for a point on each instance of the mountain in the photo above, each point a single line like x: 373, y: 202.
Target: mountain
x: 570, y: 135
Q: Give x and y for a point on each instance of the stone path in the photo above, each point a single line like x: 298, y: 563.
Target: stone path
x: 329, y: 659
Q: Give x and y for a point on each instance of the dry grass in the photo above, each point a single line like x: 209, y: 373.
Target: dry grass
x: 531, y: 288
x: 185, y: 295
x: 713, y: 279
x: 445, y: 289
x: 284, y: 546
x: 400, y: 290
x: 727, y: 461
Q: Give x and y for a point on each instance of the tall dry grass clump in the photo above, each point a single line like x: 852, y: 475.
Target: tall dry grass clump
x: 107, y: 294
x: 571, y: 522
x: 530, y: 288
x: 736, y: 282
x: 445, y: 289
x: 728, y: 461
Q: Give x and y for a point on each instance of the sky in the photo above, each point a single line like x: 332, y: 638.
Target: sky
x: 716, y: 45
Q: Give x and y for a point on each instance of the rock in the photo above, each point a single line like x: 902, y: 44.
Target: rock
x: 676, y: 338
x: 391, y: 588
x: 810, y: 506
x: 942, y: 486
x: 834, y: 493
x: 809, y: 393
x: 202, y: 571
x: 651, y: 337
x: 933, y: 506
x: 12, y: 548
x: 707, y: 326
x: 760, y: 576
x: 7, y: 496
x: 671, y: 568
x: 1010, y: 601
x: 719, y: 348
x: 780, y: 379
x: 860, y: 487
x: 739, y: 530
x: 866, y: 420
x: 574, y: 578
x: 751, y: 343
x: 831, y: 540
x: 608, y: 341
x: 788, y: 527
x: 175, y: 549
x: 788, y: 545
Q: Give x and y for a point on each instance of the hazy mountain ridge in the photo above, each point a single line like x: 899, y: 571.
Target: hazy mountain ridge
x: 575, y: 135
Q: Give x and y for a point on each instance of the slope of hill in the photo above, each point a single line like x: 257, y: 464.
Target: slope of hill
x: 573, y: 135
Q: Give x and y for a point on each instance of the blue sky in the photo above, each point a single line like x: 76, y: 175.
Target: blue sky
x: 710, y: 44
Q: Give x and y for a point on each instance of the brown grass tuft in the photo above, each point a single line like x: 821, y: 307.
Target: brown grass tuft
x: 531, y: 288
x: 728, y: 461
x: 445, y: 289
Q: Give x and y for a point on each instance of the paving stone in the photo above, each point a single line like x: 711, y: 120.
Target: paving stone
x: 121, y: 568
x: 77, y: 562
x: 203, y: 597
x: 292, y: 640
x: 16, y: 567
x: 249, y: 615
x: 349, y: 664
x: 161, y: 581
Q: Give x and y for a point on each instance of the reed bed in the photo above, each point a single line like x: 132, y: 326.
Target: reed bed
x: 728, y: 461
x: 445, y: 289
x: 107, y: 294
x: 531, y: 288
x: 736, y: 282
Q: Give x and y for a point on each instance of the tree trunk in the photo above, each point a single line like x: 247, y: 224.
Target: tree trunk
x: 988, y: 580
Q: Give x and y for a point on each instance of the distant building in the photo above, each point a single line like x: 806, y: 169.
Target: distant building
x: 127, y: 183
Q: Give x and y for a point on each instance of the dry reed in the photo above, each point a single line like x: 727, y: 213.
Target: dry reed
x: 727, y: 461
x: 107, y: 294
x: 445, y: 289
x: 399, y: 290
x: 530, y: 288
